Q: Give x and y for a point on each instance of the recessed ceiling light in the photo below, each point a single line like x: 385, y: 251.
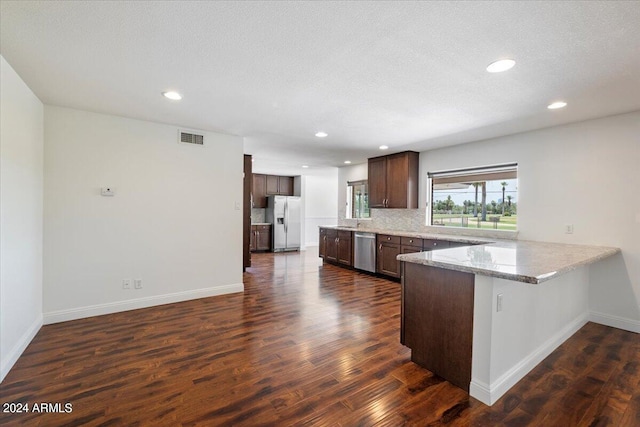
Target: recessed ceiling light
x: 556, y: 105
x: 501, y: 65
x: 347, y: 162
x: 322, y: 134
x: 305, y: 166
x: 384, y: 147
x: 175, y: 96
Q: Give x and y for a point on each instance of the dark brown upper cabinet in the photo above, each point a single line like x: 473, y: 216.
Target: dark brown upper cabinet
x: 259, y: 191
x: 393, y: 181
x: 280, y: 185
x: 266, y: 185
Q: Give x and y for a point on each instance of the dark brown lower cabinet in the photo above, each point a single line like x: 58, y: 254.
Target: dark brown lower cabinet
x: 261, y: 237
x: 409, y: 245
x: 331, y: 245
x: 345, y: 248
x: 336, y: 246
x: 388, y: 251
x: 437, y: 320
x: 322, y: 243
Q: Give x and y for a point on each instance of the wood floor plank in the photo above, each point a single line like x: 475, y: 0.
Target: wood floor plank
x: 304, y: 344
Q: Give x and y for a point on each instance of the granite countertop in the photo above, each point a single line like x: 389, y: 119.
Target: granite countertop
x: 260, y: 223
x: 520, y: 260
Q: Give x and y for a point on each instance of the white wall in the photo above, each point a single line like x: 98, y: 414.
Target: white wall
x: 320, y: 191
x: 534, y: 321
x: 173, y: 221
x: 21, y: 154
x: 585, y: 174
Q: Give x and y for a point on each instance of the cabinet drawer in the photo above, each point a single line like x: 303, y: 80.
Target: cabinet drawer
x: 430, y: 244
x: 385, y: 238
x: 411, y: 241
x: 262, y: 227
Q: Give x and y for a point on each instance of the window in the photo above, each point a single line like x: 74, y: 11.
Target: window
x: 483, y: 197
x: 357, y: 199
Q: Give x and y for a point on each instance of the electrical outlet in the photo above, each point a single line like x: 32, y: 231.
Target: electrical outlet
x: 126, y: 284
x: 137, y: 283
x: 568, y: 229
x: 499, y: 302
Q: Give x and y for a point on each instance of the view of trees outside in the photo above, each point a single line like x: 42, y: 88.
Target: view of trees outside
x: 486, y: 204
x: 357, y: 200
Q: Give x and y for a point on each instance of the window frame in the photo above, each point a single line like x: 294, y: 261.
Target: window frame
x: 351, y: 205
x: 475, y: 174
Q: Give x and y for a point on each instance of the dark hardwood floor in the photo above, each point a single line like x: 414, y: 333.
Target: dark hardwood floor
x: 305, y: 344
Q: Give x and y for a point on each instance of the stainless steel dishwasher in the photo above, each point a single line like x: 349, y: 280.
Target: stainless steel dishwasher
x: 365, y: 251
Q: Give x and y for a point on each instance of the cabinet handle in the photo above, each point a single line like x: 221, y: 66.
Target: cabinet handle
x: 380, y: 247
x: 410, y: 240
x: 388, y: 238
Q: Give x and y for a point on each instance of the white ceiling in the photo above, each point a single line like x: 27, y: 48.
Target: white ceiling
x: 410, y: 75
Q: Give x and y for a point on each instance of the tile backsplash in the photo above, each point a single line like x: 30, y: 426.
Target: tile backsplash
x: 414, y: 220
x: 258, y: 215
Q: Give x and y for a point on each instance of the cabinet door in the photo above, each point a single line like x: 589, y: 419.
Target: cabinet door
x: 322, y: 243
x: 272, y: 184
x: 345, y: 248
x: 264, y: 238
x: 377, y: 182
x: 397, y: 181
x: 387, y: 262
x: 285, y: 185
x: 259, y: 191
x: 254, y: 239
x: 331, y: 250
x: 402, y: 180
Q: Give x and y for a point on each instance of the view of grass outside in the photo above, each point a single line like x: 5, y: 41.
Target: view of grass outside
x: 490, y: 204
x: 357, y: 200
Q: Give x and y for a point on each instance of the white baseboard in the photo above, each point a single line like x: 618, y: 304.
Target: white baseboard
x: 18, y: 349
x: 615, y: 321
x: 489, y: 394
x: 115, y: 307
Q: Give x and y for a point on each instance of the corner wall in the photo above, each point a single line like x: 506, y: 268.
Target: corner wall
x: 585, y: 174
x: 21, y: 189
x: 175, y: 220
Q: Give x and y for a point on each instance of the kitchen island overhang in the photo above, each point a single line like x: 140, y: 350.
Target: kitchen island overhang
x: 519, y: 300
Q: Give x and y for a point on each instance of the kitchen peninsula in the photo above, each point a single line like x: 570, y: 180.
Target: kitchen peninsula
x: 483, y: 316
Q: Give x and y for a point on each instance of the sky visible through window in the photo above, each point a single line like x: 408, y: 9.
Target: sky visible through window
x: 494, y: 193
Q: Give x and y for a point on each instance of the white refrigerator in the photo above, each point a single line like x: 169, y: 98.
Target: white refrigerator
x: 284, y: 213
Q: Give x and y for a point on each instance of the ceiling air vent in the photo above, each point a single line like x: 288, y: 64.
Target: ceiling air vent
x: 191, y: 138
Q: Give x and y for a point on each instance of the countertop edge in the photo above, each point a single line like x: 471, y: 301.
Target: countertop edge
x: 530, y: 279
x: 606, y: 252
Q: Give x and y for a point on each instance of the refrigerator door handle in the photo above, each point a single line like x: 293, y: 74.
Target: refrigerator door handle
x: 286, y: 216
